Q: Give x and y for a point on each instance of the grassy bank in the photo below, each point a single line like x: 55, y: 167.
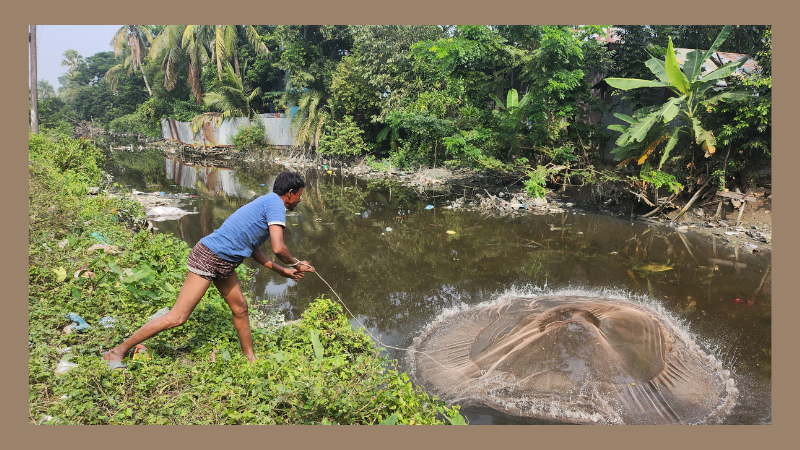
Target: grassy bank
x: 318, y: 370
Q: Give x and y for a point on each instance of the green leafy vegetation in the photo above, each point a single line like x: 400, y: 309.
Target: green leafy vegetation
x: 517, y: 101
x: 345, y: 139
x: 251, y: 137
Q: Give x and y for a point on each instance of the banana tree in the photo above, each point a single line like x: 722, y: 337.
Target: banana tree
x: 512, y: 119
x: 512, y: 100
x: 648, y: 127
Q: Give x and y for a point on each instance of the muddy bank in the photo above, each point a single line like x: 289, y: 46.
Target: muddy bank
x: 504, y: 195
x: 500, y: 196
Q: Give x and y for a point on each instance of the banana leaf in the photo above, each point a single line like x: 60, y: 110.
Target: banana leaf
x: 676, y: 78
x: 725, y: 70
x: 617, y: 127
x: 659, y: 70
x: 692, y: 60
x: 673, y: 139
x: 625, y: 117
x: 726, y: 30
x: 639, y: 130
x: 634, y: 83
x: 670, y: 109
x: 512, y: 99
x: 726, y: 96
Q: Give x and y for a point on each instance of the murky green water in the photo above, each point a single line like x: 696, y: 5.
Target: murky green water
x: 396, y: 267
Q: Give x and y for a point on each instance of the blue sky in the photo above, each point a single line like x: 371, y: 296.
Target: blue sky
x: 54, y: 40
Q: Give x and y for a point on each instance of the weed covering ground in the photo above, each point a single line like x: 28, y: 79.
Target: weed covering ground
x: 318, y: 370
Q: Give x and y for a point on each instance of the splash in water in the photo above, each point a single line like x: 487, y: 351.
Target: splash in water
x: 573, y: 356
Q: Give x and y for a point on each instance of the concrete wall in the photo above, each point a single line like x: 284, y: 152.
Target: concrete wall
x: 278, y: 131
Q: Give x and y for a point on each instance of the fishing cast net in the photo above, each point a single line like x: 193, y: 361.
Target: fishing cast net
x: 572, y: 359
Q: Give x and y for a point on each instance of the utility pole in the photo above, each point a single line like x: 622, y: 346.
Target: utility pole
x: 34, y: 97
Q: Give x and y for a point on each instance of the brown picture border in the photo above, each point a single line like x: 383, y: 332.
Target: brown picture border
x: 19, y: 15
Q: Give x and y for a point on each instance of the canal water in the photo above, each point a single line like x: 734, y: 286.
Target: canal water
x: 397, y: 263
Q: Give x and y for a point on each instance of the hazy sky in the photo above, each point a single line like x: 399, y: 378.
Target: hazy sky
x: 54, y: 40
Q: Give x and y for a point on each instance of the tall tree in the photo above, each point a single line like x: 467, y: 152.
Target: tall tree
x: 34, y: 95
x: 137, y: 39
x: 226, y: 44
x: 46, y: 89
x: 201, y: 43
x: 71, y: 59
x: 175, y: 58
x: 232, y: 99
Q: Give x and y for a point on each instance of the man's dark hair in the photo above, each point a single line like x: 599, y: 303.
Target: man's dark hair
x: 288, y: 181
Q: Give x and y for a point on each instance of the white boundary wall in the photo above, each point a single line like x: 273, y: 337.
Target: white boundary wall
x: 278, y: 131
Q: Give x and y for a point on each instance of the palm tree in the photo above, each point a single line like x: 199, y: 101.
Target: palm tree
x: 225, y: 44
x: 168, y: 47
x: 314, y: 109
x: 72, y: 59
x: 231, y: 99
x: 134, y: 40
x: 201, y: 43
x: 45, y: 89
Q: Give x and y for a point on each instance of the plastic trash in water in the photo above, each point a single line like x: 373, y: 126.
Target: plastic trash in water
x: 160, y: 313
x: 429, y: 207
x: 107, y: 322
x: 451, y: 232
x: 162, y: 213
x: 78, y: 323
x: 388, y: 228
x: 64, y: 366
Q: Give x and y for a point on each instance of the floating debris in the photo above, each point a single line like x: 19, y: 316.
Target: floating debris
x: 162, y: 213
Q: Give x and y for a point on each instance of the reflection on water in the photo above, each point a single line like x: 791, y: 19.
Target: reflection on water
x: 210, y: 180
x: 398, y: 281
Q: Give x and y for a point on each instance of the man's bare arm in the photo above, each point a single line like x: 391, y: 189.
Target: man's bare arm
x: 282, y: 252
x: 287, y: 272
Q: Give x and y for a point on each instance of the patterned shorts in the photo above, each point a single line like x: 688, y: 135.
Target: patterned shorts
x: 205, y: 264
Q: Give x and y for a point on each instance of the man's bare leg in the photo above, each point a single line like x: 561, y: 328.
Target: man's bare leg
x: 232, y: 293
x: 191, y: 292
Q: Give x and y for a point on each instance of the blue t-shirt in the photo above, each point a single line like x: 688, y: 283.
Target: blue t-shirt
x: 246, y: 229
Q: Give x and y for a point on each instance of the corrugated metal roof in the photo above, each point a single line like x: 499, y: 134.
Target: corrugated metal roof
x: 709, y: 65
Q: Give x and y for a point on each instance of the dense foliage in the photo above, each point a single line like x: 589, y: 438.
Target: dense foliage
x: 421, y: 95
x: 318, y: 370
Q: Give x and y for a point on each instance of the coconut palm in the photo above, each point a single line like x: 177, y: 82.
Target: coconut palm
x: 71, y: 59
x: 133, y: 40
x: 201, y: 43
x: 314, y: 109
x: 175, y: 57
x: 231, y: 99
x: 225, y: 44
x: 45, y: 89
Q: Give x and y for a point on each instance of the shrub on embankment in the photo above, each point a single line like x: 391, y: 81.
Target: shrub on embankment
x: 318, y: 370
